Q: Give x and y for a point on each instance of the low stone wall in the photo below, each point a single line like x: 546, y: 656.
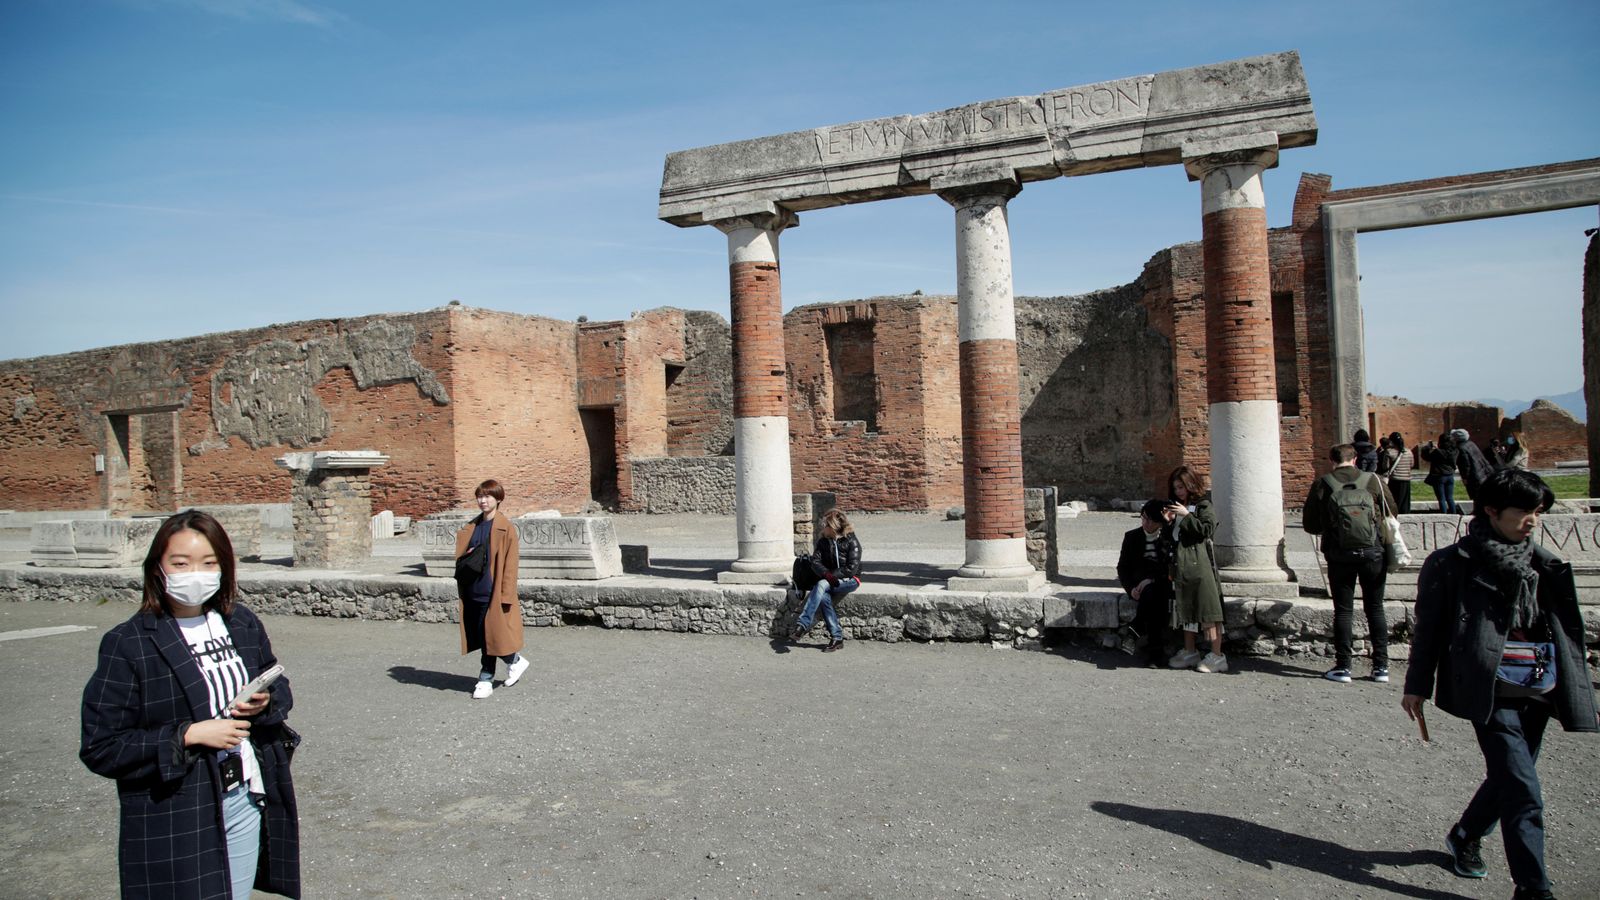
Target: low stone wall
x: 1254, y: 627
x: 678, y: 484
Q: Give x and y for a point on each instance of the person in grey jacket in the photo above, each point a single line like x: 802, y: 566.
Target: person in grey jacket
x: 1495, y: 585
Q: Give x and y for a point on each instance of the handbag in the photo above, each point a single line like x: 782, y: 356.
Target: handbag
x: 1396, y: 555
x: 804, y: 578
x: 470, y: 565
x: 1529, y: 665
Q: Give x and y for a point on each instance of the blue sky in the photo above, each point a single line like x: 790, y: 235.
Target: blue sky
x: 175, y: 167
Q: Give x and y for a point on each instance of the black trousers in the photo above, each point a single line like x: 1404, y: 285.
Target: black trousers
x: 1401, y: 489
x: 1345, y: 568
x: 1152, y: 617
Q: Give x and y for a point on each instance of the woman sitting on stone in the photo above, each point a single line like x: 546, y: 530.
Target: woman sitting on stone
x: 1196, y: 590
x: 836, y: 561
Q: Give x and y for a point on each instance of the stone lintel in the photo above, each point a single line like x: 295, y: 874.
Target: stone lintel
x: 332, y: 459
x: 1126, y: 123
x: 1260, y: 150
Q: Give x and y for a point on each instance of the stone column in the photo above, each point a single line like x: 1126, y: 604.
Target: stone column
x: 332, y: 506
x: 991, y: 415
x: 763, y: 502
x: 1241, y: 376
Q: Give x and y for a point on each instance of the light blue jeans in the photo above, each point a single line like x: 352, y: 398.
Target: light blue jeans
x: 241, y: 822
x: 821, y: 597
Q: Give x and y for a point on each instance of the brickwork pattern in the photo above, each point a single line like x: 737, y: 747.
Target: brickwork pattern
x: 991, y: 444
x: 1551, y: 434
x: 913, y: 460
x: 759, y: 366
x: 1419, y: 422
x: 1238, y: 292
x: 700, y: 401
x: 332, y: 511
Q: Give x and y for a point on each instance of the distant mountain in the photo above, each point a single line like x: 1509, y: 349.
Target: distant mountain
x: 1572, y: 402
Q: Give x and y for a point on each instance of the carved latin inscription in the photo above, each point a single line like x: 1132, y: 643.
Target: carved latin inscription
x: 993, y: 120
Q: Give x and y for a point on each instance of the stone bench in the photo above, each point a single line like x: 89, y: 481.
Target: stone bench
x: 564, y: 547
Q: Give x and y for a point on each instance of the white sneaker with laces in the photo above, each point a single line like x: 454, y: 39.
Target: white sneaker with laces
x: 482, y: 690
x: 1214, y: 662
x: 515, y: 670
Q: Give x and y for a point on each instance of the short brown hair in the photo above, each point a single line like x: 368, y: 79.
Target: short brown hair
x: 493, y: 489
x: 155, y: 580
x: 1342, y: 453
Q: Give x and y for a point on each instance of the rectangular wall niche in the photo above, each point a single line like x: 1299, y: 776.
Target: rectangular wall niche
x: 1283, y: 354
x: 852, y: 365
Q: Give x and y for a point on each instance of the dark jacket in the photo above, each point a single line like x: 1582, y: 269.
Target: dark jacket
x: 1462, y: 621
x: 1319, y: 504
x: 1195, y: 582
x: 145, y: 690
x: 1474, y: 467
x: 840, y: 557
x: 1441, y: 461
x: 1133, y: 567
x: 1366, y: 456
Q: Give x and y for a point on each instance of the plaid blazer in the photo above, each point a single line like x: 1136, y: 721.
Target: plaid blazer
x: 146, y: 687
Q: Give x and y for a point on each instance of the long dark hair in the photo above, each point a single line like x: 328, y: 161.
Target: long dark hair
x: 155, y: 581
x: 1190, y: 481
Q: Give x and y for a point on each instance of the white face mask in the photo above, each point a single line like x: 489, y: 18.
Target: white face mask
x: 193, y: 588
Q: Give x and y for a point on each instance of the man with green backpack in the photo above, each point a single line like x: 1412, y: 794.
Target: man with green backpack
x: 1347, y: 507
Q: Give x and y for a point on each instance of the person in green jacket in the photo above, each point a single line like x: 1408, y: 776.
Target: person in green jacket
x: 1197, y: 591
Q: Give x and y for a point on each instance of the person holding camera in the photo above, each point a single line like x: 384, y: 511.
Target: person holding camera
x: 1499, y: 641
x: 1196, y: 588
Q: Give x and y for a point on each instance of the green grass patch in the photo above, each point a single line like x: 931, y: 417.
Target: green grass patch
x: 1565, y: 486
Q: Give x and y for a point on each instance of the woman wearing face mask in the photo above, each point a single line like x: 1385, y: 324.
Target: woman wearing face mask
x: 208, y: 806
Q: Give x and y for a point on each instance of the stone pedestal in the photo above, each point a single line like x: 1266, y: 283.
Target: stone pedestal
x: 808, y: 512
x: 437, y: 535
x: 1241, y: 372
x: 760, y: 403
x: 331, y: 502
x: 1039, y: 514
x: 93, y: 543
x: 991, y: 415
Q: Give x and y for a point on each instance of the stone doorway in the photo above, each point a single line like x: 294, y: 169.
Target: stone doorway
x: 600, y: 431
x: 143, y: 467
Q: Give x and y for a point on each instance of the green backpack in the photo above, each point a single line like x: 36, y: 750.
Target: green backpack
x: 1352, y: 514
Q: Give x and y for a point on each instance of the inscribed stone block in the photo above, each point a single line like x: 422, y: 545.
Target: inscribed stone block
x: 52, y: 545
x: 579, y: 547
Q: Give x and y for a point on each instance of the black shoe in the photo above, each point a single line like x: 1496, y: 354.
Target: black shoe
x: 1531, y: 894
x: 798, y: 633
x: 1466, y: 856
x: 832, y: 646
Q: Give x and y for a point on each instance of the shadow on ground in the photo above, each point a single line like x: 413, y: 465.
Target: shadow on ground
x: 439, y: 681
x: 1262, y: 846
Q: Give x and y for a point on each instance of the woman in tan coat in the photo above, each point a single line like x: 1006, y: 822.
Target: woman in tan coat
x: 491, y: 618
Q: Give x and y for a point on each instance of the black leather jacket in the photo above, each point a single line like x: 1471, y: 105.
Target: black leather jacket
x: 1462, y: 621
x: 838, y: 557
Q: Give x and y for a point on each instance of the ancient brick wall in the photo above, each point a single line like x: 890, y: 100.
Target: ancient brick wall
x: 700, y: 399
x: 1551, y: 434
x: 652, y: 341
x: 232, y: 402
x: 516, y: 402
x: 1096, y: 381
x: 1419, y: 422
x: 891, y: 350
x: 1172, y: 289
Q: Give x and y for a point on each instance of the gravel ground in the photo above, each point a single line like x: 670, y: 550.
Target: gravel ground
x: 633, y: 764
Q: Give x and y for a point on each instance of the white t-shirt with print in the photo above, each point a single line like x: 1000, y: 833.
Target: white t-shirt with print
x: 225, y: 675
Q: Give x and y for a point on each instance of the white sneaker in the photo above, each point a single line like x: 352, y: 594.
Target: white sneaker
x: 482, y: 690
x: 515, y: 670
x: 1214, y: 662
x: 1184, y: 659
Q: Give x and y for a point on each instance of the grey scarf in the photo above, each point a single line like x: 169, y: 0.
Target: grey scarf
x: 1509, y: 566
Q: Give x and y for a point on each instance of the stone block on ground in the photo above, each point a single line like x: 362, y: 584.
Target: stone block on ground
x: 437, y: 536
x: 52, y: 544
x: 570, y: 547
x: 383, y: 525
x: 115, y: 543
x: 809, y: 508
x: 635, y: 559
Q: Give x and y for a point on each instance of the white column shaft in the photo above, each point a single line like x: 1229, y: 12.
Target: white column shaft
x: 1247, y: 489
